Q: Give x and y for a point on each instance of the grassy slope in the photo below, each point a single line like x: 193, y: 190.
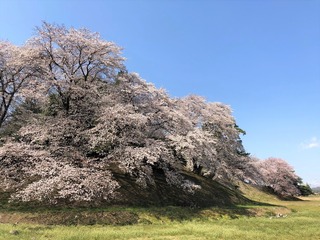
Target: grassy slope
x: 211, y: 193
x: 233, y: 222
x: 159, y: 200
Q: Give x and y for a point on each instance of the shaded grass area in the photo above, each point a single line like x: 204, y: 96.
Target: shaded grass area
x: 136, y: 215
x: 212, y: 193
x: 130, y: 215
x: 158, y: 203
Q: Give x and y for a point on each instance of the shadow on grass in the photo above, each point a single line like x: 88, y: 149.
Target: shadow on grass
x: 160, y: 202
x: 123, y: 215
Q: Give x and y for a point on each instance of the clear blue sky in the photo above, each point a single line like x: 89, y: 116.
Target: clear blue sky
x: 262, y: 57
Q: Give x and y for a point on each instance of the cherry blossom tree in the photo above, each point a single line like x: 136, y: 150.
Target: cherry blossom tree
x: 132, y: 131
x: 218, y: 127
x: 35, y: 175
x: 73, y: 60
x: 279, y: 175
x: 137, y: 130
x: 18, y: 74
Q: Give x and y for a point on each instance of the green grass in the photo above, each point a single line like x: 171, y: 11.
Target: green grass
x: 299, y: 220
x: 298, y: 225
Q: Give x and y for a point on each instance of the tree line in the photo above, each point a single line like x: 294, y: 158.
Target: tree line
x: 71, y: 115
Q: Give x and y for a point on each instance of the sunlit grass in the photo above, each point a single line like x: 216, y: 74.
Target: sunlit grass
x: 296, y: 226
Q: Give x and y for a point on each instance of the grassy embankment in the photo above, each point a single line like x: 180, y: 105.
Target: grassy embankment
x: 279, y: 220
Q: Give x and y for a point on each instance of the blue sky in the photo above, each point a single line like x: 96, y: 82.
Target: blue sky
x: 262, y: 57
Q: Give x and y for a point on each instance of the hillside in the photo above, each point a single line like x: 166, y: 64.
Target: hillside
x: 227, y: 204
